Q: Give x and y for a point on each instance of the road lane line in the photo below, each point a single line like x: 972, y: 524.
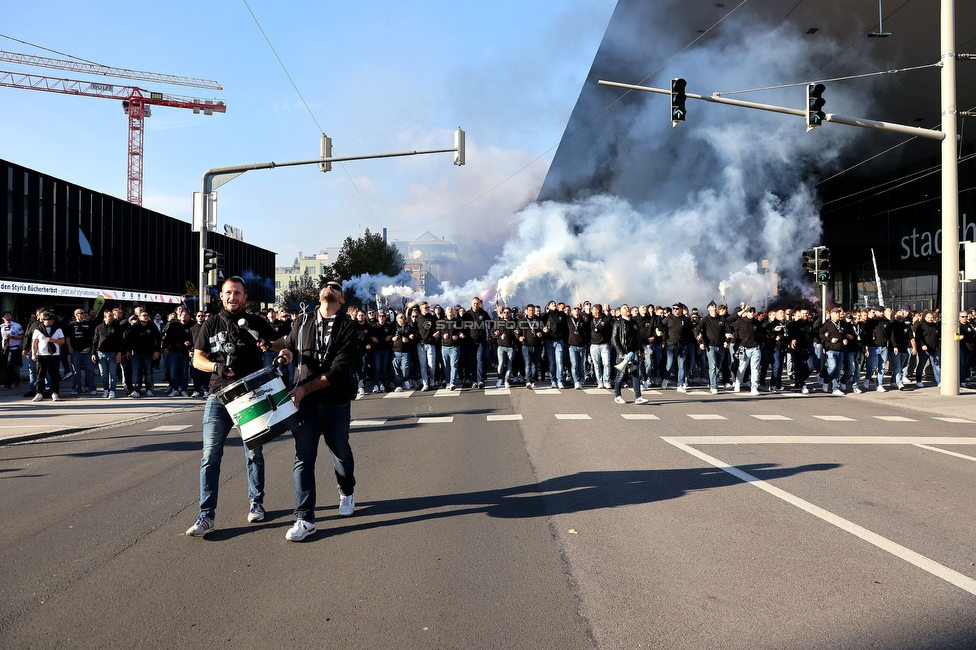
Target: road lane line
x: 945, y: 573
x: 436, y: 420
x: 639, y: 416
x: 367, y: 423
x: 835, y: 418
x: 954, y: 420
x: 822, y: 440
x: 945, y: 451
x: 572, y: 416
x: 771, y: 418
x: 504, y: 418
x: 706, y: 416
x: 401, y: 395
x: 893, y: 418
x: 172, y: 427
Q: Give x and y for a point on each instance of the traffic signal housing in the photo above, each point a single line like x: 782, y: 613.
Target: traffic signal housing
x: 213, y: 265
x: 678, y: 98
x: 810, y: 261
x: 459, y: 147
x: 823, y: 265
x: 815, y: 103
x: 325, y: 151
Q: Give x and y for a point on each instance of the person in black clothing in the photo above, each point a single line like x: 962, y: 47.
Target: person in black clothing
x: 579, y: 341
x: 835, y: 340
x: 531, y: 337
x: 404, y: 342
x: 479, y: 349
x: 927, y: 343
x: 226, y: 348
x: 626, y: 342
x: 381, y: 342
x: 601, y: 331
x: 713, y: 340
x: 176, y: 342
x: 800, y: 348
x: 79, y: 334
x: 324, y: 346
x: 901, y: 344
x: 107, y: 345
x: 125, y: 366
x: 679, y: 334
x: 143, y: 345
x: 747, y: 334
x: 505, y: 334
x: 555, y: 331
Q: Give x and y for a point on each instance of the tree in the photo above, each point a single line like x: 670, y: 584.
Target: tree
x: 301, y: 289
x: 368, y: 255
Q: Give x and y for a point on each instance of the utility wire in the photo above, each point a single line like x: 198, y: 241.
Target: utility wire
x: 307, y: 108
x: 47, y: 49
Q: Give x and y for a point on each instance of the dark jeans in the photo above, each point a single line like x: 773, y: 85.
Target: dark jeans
x: 330, y: 421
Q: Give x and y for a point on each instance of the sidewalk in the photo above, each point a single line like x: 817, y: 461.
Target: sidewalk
x: 22, y: 419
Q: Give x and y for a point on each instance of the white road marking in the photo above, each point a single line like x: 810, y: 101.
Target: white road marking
x: 436, y: 420
x: 954, y: 420
x: 547, y: 391
x: 893, y: 418
x: 639, y: 416
x: 945, y: 573
x: 367, y: 423
x: 822, y: 440
x: 172, y: 427
x: 945, y: 451
x: 401, y: 395
x: 771, y: 417
x: 835, y: 418
x: 572, y: 416
x: 706, y: 416
x: 443, y: 392
x: 504, y: 418
x: 596, y: 391
x: 498, y: 391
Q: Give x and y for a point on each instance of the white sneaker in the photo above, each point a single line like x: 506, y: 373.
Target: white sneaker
x: 664, y: 384
x: 376, y: 390
x: 713, y: 391
x: 361, y: 391
x: 451, y: 387
x: 424, y: 387
x: 346, y: 505
x: 300, y: 530
x: 838, y: 391
x: 553, y: 385
x: 38, y: 398
x: 682, y: 389
x: 641, y: 400
x: 577, y: 386
x: 735, y: 387
x: 54, y: 397
x: 804, y: 390
x: 857, y: 389
x: 398, y: 389
x: 560, y: 385
x: 202, y: 526
x: 880, y: 389
x: 754, y: 391
x: 507, y: 385
x: 619, y: 400
x: 111, y: 394
x: 105, y: 395
x: 135, y: 395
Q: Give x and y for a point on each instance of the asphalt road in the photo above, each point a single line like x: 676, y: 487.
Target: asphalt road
x: 512, y: 519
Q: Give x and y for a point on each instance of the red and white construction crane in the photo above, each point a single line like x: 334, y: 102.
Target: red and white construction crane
x: 136, y: 102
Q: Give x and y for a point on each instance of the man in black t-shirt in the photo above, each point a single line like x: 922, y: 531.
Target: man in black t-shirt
x: 212, y: 353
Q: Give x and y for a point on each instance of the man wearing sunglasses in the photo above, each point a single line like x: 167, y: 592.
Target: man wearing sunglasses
x: 324, y: 346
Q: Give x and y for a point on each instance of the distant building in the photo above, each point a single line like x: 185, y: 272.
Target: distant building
x: 430, y: 260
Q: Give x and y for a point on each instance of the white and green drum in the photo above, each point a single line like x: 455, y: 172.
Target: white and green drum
x: 260, y: 405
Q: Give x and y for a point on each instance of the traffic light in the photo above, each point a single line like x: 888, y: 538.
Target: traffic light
x: 823, y: 265
x: 815, y: 102
x: 325, y: 151
x: 213, y: 264
x: 810, y: 261
x: 459, y: 147
x: 678, y: 97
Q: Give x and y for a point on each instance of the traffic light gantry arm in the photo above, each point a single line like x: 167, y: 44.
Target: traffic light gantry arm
x: 799, y: 112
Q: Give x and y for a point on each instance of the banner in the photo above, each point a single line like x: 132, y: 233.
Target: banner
x: 38, y: 289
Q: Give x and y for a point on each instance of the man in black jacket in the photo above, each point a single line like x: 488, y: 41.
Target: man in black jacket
x: 324, y: 346
x: 143, y: 345
x: 713, y: 340
x: 626, y: 343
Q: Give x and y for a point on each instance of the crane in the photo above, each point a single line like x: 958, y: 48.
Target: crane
x: 136, y: 102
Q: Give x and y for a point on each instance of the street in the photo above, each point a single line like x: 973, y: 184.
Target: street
x: 515, y: 519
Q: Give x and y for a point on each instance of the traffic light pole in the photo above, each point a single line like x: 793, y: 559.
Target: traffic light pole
x: 214, y: 178
x: 950, y: 207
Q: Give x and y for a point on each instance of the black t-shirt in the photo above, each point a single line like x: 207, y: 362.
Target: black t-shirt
x: 80, y: 334
x: 247, y: 356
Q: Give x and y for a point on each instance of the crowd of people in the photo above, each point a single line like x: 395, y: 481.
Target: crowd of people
x: 424, y: 346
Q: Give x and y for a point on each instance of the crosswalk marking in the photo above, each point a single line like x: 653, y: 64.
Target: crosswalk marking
x: 400, y: 395
x: 706, y: 416
x: 771, y: 417
x: 367, y: 423
x: 172, y: 427
x: 835, y: 418
x: 443, y: 392
x: 447, y: 419
x: 572, y: 416
x: 596, y: 391
x: 639, y: 416
x: 497, y: 392
x: 893, y: 418
x: 547, y: 391
x: 504, y: 418
x: 954, y: 420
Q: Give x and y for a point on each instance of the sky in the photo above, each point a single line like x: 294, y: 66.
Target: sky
x: 376, y: 76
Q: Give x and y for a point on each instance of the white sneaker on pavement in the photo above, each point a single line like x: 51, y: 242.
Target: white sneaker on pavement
x: 641, y: 400
x: 619, y: 400
x: 346, y: 505
x: 300, y: 530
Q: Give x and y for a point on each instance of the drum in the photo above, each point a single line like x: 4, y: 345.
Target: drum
x: 260, y: 406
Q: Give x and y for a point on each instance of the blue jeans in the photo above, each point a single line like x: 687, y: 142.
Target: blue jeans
x: 449, y: 355
x: 714, y: 354
x: 530, y: 354
x: 930, y: 355
x: 577, y: 363
x: 381, y: 364
x: 678, y: 353
x: 554, y: 351
x: 217, y: 424
x: 600, y: 353
x: 141, y: 367
x: 82, y: 362
x: 330, y: 421
x: 750, y: 357
x: 877, y: 359
x: 899, y: 368
x: 177, y: 362
x: 108, y: 365
x: 426, y: 353
x: 482, y: 352
x: 505, y: 358
x: 401, y: 367
x: 834, y: 360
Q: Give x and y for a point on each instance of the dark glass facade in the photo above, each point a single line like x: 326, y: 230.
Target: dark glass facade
x: 55, y: 232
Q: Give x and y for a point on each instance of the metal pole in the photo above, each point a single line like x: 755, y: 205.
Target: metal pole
x: 950, y: 205
x: 204, y: 228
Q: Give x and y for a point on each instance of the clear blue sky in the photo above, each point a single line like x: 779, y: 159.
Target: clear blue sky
x: 377, y: 77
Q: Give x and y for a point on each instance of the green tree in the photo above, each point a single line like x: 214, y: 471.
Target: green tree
x: 368, y: 255
x: 302, y: 289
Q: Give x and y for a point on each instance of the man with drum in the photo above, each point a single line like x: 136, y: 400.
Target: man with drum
x: 324, y: 346
x: 227, y: 348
